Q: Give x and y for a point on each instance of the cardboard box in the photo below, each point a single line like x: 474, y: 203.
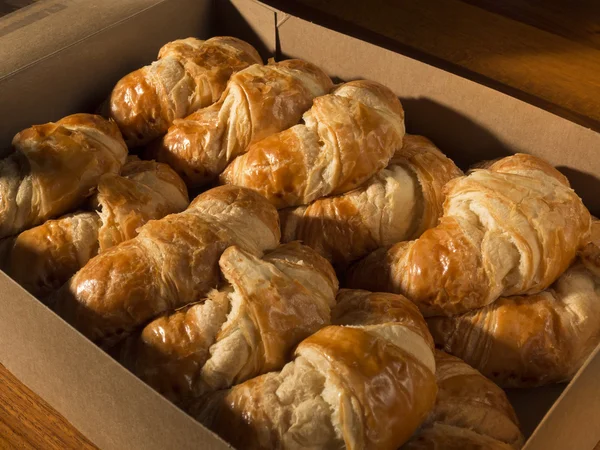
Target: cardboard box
x: 63, y: 56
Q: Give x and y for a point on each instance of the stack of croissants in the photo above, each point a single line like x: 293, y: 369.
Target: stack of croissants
x: 455, y: 285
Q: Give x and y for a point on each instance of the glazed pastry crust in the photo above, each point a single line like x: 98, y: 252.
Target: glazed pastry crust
x: 398, y: 203
x: 189, y: 74
x: 145, y: 190
x: 54, y: 168
x: 43, y: 258
x: 528, y: 341
x: 244, y: 329
x: 346, y: 138
x: 258, y: 102
x: 470, y: 412
x: 510, y: 229
x: 368, y: 385
x: 171, y: 263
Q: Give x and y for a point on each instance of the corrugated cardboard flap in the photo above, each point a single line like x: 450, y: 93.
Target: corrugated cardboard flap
x: 572, y: 422
x: 108, y: 404
x: 48, y: 27
x: 53, y: 49
x: 468, y: 121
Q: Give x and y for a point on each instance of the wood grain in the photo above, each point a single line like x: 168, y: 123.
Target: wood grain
x: 28, y: 422
x: 557, y: 73
x: 578, y: 20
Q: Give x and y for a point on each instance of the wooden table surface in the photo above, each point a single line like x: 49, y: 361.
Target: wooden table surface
x: 544, y: 51
x: 28, y: 422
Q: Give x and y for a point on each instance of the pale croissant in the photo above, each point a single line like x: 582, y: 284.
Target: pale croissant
x: 258, y: 102
x: 172, y: 262
x: 346, y: 138
x: 527, y: 341
x: 398, y: 203
x: 43, y: 258
x: 54, y: 168
x: 366, y: 385
x: 189, y: 74
x: 510, y: 229
x: 470, y: 412
x: 242, y: 330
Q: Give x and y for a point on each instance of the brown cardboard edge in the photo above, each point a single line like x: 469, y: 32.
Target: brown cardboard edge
x: 572, y: 421
x: 532, y: 404
x: 58, y: 85
x: 76, y: 20
x: 104, y: 401
x: 311, y: 14
x: 469, y: 128
x: 251, y: 21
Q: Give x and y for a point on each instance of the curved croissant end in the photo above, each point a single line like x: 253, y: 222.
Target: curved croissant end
x: 242, y: 330
x: 528, y: 341
x: 172, y: 262
x: 43, y: 258
x: 258, y: 102
x: 367, y: 385
x: 189, y: 74
x: 398, y: 203
x: 347, y: 137
x: 470, y: 412
x: 510, y: 229
x: 54, y: 168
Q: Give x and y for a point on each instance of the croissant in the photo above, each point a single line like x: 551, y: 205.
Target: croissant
x: 190, y: 74
x: 243, y: 330
x: 145, y: 190
x: 346, y: 138
x: 172, y: 262
x: 54, y: 168
x: 368, y: 385
x: 398, y: 203
x: 43, y: 258
x: 528, y: 341
x: 470, y: 412
x: 259, y: 101
x: 510, y: 229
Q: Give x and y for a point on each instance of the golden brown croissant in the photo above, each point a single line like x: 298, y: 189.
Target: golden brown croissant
x: 398, y: 203
x: 367, y: 385
x: 54, y: 168
x: 345, y: 139
x: 527, y: 341
x: 43, y: 258
x: 470, y: 412
x: 171, y: 263
x: 510, y: 229
x: 145, y: 190
x: 258, y: 102
x: 243, y: 330
x: 190, y: 74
